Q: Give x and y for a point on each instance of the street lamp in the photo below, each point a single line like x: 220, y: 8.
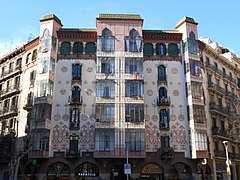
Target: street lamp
x: 228, y: 162
x: 128, y: 117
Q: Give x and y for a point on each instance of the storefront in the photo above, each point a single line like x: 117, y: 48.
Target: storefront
x: 152, y: 171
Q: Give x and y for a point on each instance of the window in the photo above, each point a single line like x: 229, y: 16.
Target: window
x: 216, y: 146
x: 73, y: 146
x: 28, y: 58
x: 45, y: 87
x: 46, y: 64
x: 6, y: 105
x: 34, y: 56
x: 74, y: 118
x: 160, y: 49
x: 135, y: 111
x: 105, y: 113
x: 3, y: 71
x: 42, y: 112
x: 106, y: 42
x: 14, y: 102
x: 214, y: 122
x: 207, y: 60
x: 133, y: 65
x: 134, y: 88
x: 195, y: 68
x: 17, y: 81
x: 164, y: 119
x: 135, y: 140
x: 76, y: 71
x: 10, y: 68
x: 148, y: 49
x: 32, y: 77
x: 106, y: 65
x: 133, y: 43
x: 105, y: 89
x: 209, y: 79
x: 78, y: 48
x: 196, y: 90
x: 104, y: 140
x: 201, y: 140
x: 18, y: 63
x: 224, y: 71
x: 220, y: 102
x: 165, y: 142
x: 172, y: 50
x: 199, y: 114
x: 45, y: 41
x: 76, y: 94
x: 162, y: 92
x: 222, y: 125
x: 162, y: 76
x: 192, y: 43
x: 90, y: 48
x: 65, y: 48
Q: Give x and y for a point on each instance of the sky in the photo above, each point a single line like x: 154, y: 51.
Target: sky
x: 217, y: 20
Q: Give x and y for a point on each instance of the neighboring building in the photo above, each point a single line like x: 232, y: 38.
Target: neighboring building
x: 222, y: 91
x: 92, y: 100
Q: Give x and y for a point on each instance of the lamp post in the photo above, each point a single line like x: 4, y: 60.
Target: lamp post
x: 128, y: 117
x: 228, y: 162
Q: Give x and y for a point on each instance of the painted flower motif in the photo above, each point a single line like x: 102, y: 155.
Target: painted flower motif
x: 89, y: 92
x: 180, y: 117
x: 149, y: 92
x: 57, y: 117
x: 174, y: 70
x: 149, y: 70
x: 175, y: 92
x: 147, y: 117
x: 153, y: 82
x: 64, y: 69
x: 85, y: 82
x: 62, y: 91
x: 84, y: 117
x: 155, y: 117
x: 89, y: 69
x: 65, y: 117
x: 173, y: 117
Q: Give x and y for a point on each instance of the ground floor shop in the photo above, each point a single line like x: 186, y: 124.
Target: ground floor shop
x: 89, y: 168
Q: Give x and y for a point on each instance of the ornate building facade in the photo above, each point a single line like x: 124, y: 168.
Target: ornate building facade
x: 117, y: 102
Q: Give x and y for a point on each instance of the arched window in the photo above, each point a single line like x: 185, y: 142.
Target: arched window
x: 65, y: 48
x: 78, y: 48
x: 28, y: 58
x: 172, y: 50
x: 164, y: 118
x: 87, y: 170
x: 162, y: 76
x: 34, y: 56
x: 148, y: 49
x: 58, y: 170
x: 107, y: 41
x: 90, y: 48
x: 160, y: 49
x: 192, y: 43
x: 133, y: 43
x: 76, y: 94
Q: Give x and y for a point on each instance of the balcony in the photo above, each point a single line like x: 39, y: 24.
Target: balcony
x: 119, y: 153
x: 105, y: 123
x: 10, y: 91
x: 230, y: 95
x: 72, y: 153
x: 220, y: 133
x: 44, y: 100
x: 163, y: 101
x: 10, y: 73
x: 9, y: 110
x: 74, y: 100
x: 229, y: 78
x: 213, y: 68
x: 214, y: 108
x: 165, y: 152
x: 38, y: 154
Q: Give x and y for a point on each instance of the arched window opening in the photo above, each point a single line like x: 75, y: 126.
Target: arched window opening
x: 65, y: 48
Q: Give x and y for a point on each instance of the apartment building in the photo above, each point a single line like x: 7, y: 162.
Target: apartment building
x: 117, y: 101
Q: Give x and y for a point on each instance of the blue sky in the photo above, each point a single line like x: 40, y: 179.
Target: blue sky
x: 218, y: 20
